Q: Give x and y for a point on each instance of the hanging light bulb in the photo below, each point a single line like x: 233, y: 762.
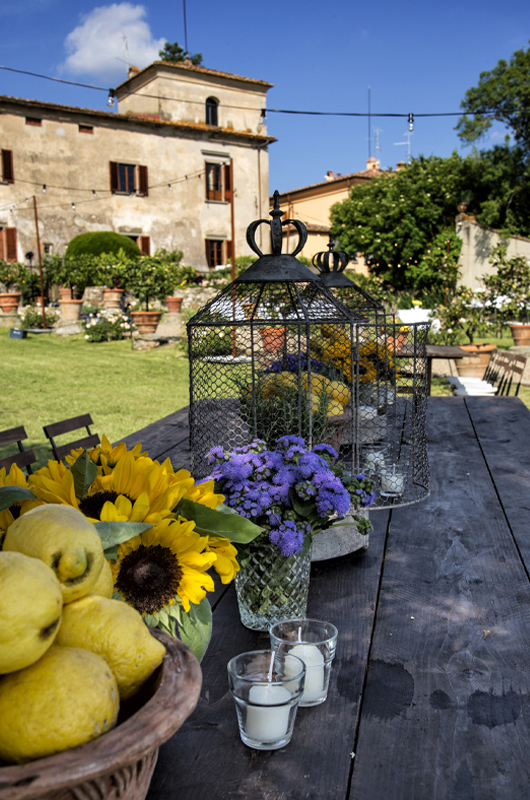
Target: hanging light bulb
x: 411, y: 122
x: 110, y: 99
x: 94, y: 193
x: 73, y: 206
x: 169, y: 186
x: 44, y: 188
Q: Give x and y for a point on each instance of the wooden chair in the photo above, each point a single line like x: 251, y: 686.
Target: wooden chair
x: 513, y: 374
x: 66, y: 426
x: 24, y: 458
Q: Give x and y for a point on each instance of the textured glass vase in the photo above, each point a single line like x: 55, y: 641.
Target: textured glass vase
x: 271, y: 587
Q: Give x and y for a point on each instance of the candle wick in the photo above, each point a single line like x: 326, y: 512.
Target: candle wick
x: 300, y: 634
x: 271, y: 667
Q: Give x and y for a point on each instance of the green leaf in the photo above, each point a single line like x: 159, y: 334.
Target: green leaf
x: 195, y: 627
x: 302, y: 509
x: 84, y: 472
x: 210, y: 522
x: 14, y: 494
x: 114, y: 533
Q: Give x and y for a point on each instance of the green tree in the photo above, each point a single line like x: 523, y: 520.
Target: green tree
x: 176, y: 54
x: 394, y: 219
x: 502, y: 94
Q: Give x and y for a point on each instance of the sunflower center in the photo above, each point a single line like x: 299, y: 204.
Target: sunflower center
x: 92, y: 504
x: 149, y: 578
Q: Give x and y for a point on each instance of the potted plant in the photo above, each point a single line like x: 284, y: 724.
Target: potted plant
x: 149, y: 278
x: 465, y: 314
x: 508, y: 293
x: 73, y: 275
x: 12, y: 275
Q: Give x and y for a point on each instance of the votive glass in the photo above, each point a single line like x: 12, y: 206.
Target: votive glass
x: 266, y: 687
x: 315, y: 642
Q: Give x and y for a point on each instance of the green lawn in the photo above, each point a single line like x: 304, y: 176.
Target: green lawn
x: 46, y: 378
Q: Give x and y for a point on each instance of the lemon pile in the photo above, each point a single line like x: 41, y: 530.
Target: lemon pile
x: 336, y: 395
x: 68, y: 652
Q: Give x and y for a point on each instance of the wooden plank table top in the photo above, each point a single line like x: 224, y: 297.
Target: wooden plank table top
x: 430, y: 689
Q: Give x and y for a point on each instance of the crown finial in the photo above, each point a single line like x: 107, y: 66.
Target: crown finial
x: 276, y: 226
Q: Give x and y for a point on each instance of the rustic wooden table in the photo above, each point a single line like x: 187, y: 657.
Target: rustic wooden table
x: 430, y: 690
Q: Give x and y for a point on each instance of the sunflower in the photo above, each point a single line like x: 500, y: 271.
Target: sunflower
x: 165, y: 562
x: 105, y: 455
x: 15, y: 477
x: 226, y: 564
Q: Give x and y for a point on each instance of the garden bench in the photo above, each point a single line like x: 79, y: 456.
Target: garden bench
x: 67, y: 426
x: 24, y: 458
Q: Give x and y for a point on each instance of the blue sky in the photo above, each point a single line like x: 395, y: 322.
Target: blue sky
x: 416, y: 57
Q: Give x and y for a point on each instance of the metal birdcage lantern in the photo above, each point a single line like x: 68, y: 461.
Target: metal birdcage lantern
x: 280, y: 351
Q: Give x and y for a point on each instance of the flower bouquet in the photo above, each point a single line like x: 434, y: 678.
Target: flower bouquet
x: 161, y: 532
x: 291, y: 493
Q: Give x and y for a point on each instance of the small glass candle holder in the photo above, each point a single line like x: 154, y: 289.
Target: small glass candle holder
x: 392, y: 481
x: 315, y: 643
x: 266, y: 687
x: 372, y: 458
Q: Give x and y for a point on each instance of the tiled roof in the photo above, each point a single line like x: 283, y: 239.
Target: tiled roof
x: 200, y: 70
x: 141, y: 119
x: 366, y: 173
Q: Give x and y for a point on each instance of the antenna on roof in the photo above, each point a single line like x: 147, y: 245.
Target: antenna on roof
x: 126, y: 43
x: 407, y: 135
x: 185, y: 27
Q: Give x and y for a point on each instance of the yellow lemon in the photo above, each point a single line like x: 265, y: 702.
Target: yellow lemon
x: 115, y: 631
x: 319, y: 383
x: 334, y: 408
x: 30, y: 610
x: 105, y: 583
x: 340, y: 392
x: 63, y: 538
x: 68, y: 697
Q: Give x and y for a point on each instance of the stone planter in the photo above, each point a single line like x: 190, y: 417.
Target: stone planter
x: 340, y: 540
x: 146, y: 321
x: 112, y: 298
x: 9, y: 301
x: 521, y: 335
x: 70, y: 309
x: 474, y: 365
x: 174, y: 304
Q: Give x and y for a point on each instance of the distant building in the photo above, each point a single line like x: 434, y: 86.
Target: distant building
x: 477, y: 244
x: 312, y: 204
x: 158, y: 171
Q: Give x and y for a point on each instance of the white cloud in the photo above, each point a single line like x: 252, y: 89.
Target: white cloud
x: 97, y: 46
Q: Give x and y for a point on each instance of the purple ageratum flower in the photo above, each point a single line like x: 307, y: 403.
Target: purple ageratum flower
x: 326, y: 448
x: 284, y: 442
x: 214, y: 455
x: 368, y: 499
x: 310, y: 463
x: 287, y: 538
x: 256, y: 499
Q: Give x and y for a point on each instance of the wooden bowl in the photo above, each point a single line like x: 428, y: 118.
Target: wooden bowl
x: 120, y: 763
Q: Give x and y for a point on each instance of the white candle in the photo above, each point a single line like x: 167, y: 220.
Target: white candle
x: 367, y: 412
x: 374, y: 459
x: 392, y: 482
x: 268, y: 724
x: 314, y: 677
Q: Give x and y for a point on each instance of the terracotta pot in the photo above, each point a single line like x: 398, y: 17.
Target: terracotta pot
x: 71, y: 309
x: 65, y: 293
x: 9, y: 301
x: 112, y: 298
x: 119, y: 763
x: 273, y: 338
x: 398, y: 342
x: 146, y: 321
x: 474, y: 365
x: 521, y: 335
x: 174, y: 304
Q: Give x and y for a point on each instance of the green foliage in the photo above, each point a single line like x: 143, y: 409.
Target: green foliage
x: 14, y: 494
x: 13, y: 275
x: 76, y: 271
x: 438, y: 270
x: 95, y: 243
x: 175, y: 54
x: 465, y: 313
x: 155, y: 276
x: 395, y: 218
x: 215, y: 522
x: 508, y: 290
x: 108, y: 326
x: 33, y: 318
x: 502, y: 94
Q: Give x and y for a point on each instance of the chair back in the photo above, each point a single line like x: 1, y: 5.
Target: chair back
x: 24, y: 458
x: 67, y: 426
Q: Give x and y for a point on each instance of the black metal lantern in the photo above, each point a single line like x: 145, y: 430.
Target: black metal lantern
x: 280, y: 352
x: 389, y: 439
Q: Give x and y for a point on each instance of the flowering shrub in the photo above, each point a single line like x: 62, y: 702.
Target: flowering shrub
x: 33, y: 318
x: 107, y: 326
x: 291, y: 492
x: 464, y: 314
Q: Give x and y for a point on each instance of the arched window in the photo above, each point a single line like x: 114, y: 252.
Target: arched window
x: 211, y: 111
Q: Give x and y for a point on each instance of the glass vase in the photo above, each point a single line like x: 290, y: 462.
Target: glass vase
x: 271, y: 587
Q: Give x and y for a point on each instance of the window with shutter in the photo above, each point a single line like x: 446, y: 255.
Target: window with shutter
x: 215, y: 252
x: 8, y: 174
x: 113, y: 176
x: 211, y: 111
x: 214, y: 181
x: 228, y: 183
x: 145, y: 245
x: 11, y: 244
x: 143, y: 181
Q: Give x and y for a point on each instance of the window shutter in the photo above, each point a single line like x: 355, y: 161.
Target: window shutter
x: 228, y: 247
x: 228, y: 185
x: 145, y: 246
x: 11, y: 244
x: 2, y: 252
x: 208, y: 253
x: 8, y: 174
x: 113, y: 176
x: 143, y: 181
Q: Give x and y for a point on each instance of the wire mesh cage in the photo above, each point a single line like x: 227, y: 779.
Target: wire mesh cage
x: 278, y: 353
